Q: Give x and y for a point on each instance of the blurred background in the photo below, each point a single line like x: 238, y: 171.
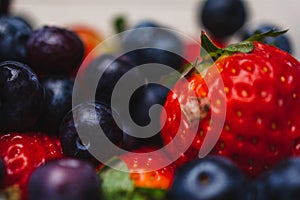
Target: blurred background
x: 177, y: 14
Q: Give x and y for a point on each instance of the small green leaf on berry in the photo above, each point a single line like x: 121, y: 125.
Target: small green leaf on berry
x: 260, y: 37
x: 243, y: 47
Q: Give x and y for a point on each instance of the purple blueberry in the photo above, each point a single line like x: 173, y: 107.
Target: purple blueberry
x: 64, y: 179
x: 54, y: 50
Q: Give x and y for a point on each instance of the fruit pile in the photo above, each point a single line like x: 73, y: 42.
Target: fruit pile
x: 228, y: 124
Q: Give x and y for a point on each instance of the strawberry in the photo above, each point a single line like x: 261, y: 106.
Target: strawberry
x: 255, y: 103
x: 22, y: 153
x: 138, y: 174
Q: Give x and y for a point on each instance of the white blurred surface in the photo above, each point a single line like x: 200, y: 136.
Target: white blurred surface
x: 177, y: 14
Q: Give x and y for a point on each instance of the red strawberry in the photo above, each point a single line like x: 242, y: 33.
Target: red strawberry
x: 22, y: 153
x: 262, y: 103
x: 147, y: 176
x: 141, y: 169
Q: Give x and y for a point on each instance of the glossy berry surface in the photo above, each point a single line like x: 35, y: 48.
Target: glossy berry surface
x: 21, y: 96
x: 148, y: 43
x: 79, y: 131
x: 222, y: 18
x: 139, y: 107
x: 209, y: 178
x: 280, y: 183
x: 54, y: 50
x: 58, y: 103
x: 14, y: 34
x: 282, y: 41
x: 22, y: 153
x: 257, y: 138
x: 64, y: 179
x: 105, y: 71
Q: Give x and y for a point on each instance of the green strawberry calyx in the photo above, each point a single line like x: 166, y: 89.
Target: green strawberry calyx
x: 213, y: 52
x: 117, y: 184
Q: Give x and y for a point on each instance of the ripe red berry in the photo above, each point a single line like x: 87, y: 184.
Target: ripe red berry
x: 22, y: 153
x: 262, y: 108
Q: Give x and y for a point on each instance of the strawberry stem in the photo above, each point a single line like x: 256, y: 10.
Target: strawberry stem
x: 213, y: 52
x: 260, y: 37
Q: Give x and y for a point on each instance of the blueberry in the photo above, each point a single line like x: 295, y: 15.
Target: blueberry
x: 54, y: 50
x: 282, y: 182
x: 14, y: 34
x: 145, y: 24
x: 2, y: 171
x: 58, y: 102
x: 150, y: 43
x: 21, y: 97
x: 282, y: 41
x: 86, y: 119
x: 222, y: 18
x: 5, y: 7
x: 140, y: 103
x: 64, y: 179
x: 209, y: 178
x: 111, y: 68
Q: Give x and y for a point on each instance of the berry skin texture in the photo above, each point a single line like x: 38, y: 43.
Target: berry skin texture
x: 213, y: 177
x: 262, y: 103
x: 22, y: 153
x: 64, y: 179
x: 280, y: 183
x: 54, y: 50
x: 21, y: 97
x: 58, y: 103
x: 14, y: 32
x: 222, y: 18
x: 140, y: 169
x: 79, y: 132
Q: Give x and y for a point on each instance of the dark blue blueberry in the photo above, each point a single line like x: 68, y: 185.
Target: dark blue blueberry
x: 282, y: 41
x: 64, y: 179
x: 80, y: 132
x: 2, y: 171
x: 209, y: 178
x: 140, y: 103
x: 111, y: 68
x: 14, y: 34
x: 146, y: 23
x: 21, y: 97
x: 5, y: 7
x: 222, y: 18
x: 150, y: 43
x: 282, y: 182
x: 58, y: 102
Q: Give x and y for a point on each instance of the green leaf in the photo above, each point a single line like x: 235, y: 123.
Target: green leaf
x: 243, y: 47
x: 116, y: 184
x: 10, y: 193
x: 149, y: 194
x: 120, y: 24
x: 260, y: 37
